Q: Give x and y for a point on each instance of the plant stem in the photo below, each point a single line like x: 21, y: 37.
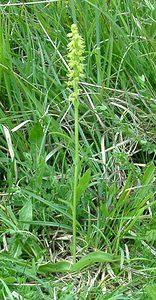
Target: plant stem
x: 76, y: 161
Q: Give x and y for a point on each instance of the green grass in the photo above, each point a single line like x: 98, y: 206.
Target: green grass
x: 116, y: 235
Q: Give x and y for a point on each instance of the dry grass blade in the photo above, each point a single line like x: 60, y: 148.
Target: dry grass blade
x: 20, y: 125
x: 9, y: 142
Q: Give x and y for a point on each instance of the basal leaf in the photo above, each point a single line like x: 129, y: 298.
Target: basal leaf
x: 58, y: 267
x: 92, y: 258
x: 86, y: 261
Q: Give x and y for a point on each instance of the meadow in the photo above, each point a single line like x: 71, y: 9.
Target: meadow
x: 77, y: 158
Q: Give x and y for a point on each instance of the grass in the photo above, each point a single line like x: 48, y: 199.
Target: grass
x: 115, y: 224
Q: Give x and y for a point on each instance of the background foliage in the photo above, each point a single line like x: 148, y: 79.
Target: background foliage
x: 117, y: 130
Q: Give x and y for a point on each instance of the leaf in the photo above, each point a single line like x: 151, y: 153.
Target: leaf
x: 25, y: 215
x: 83, y: 183
x: 92, y: 258
x: 145, y: 181
x: 49, y: 224
x: 41, y: 166
x: 6, y: 289
x: 87, y: 260
x: 20, y: 125
x: 150, y: 292
x: 36, y: 135
x: 51, y: 204
x: 58, y: 267
x: 10, y: 280
x: 19, y: 264
x: 148, y: 174
x: 150, y: 235
x: 32, y: 247
x: 9, y: 141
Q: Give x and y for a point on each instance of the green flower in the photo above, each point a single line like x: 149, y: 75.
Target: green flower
x: 75, y: 62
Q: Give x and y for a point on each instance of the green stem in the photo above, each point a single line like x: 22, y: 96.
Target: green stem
x: 76, y: 162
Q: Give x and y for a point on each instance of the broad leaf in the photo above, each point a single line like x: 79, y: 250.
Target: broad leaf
x: 58, y: 267
x: 92, y: 258
x: 36, y: 136
x: 86, y: 261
